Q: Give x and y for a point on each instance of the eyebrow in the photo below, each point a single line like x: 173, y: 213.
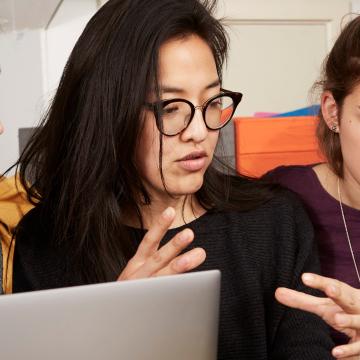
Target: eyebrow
x: 171, y: 89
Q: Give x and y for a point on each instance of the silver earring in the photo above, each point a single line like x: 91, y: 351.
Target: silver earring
x: 334, y: 127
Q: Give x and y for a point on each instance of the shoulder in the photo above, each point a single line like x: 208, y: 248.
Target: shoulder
x: 277, y: 218
x: 299, y: 178
x: 274, y: 237
x: 287, y: 173
x: 34, y: 217
x: 33, y: 227
x: 282, y: 228
x: 38, y: 262
x: 285, y: 205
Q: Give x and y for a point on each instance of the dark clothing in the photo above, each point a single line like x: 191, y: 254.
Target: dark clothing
x: 325, y: 214
x: 256, y: 251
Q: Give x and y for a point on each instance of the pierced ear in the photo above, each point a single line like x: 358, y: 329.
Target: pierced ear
x: 329, y: 111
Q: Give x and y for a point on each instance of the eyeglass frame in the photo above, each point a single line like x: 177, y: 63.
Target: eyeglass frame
x: 154, y: 107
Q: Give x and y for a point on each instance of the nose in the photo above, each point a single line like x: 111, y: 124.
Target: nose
x: 1, y: 128
x: 197, y: 130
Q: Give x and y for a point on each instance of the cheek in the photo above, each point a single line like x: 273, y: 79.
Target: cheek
x: 213, y: 139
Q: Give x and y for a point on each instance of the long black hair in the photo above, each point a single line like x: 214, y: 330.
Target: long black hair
x: 79, y: 166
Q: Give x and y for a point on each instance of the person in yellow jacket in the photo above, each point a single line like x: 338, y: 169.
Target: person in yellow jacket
x: 13, y: 206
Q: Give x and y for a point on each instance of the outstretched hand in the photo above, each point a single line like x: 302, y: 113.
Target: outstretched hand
x: 340, y: 309
x: 150, y: 260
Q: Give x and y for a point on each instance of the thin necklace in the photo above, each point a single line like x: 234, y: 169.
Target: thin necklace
x: 346, y: 230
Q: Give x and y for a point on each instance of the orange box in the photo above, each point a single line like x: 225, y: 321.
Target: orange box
x: 262, y: 144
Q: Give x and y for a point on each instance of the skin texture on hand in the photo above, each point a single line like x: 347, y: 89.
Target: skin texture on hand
x: 340, y: 309
x: 150, y: 260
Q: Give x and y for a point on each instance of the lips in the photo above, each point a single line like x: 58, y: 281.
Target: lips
x: 194, y: 155
x: 193, y: 161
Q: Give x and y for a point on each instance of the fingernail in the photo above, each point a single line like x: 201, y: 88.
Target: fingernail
x: 308, y: 278
x: 168, y: 213
x: 338, y: 351
x: 182, y: 262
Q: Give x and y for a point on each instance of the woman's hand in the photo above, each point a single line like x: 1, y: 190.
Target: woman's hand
x: 340, y: 309
x: 150, y: 261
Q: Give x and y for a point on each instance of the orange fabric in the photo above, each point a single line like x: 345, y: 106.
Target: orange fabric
x: 13, y: 206
x: 261, y: 144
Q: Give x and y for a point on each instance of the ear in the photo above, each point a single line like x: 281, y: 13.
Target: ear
x: 329, y: 111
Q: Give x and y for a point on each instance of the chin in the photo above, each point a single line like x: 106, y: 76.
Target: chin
x: 190, y: 187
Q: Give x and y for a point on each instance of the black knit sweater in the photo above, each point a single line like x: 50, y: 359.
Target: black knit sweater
x: 256, y: 251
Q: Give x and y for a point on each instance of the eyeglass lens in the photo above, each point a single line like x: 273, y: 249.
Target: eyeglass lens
x: 176, y: 116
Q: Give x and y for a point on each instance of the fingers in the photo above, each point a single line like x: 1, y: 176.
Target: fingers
x: 348, y: 321
x: 152, y: 238
x: 301, y: 301
x: 340, y: 310
x: 347, y: 297
x: 149, y: 260
x: 348, y: 351
x: 149, y: 244
x: 186, y: 262
x: 323, y: 307
x: 161, y: 258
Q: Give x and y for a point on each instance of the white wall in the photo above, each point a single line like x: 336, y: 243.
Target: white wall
x: 277, y: 48
x: 356, y: 6
x: 61, y: 36
x: 20, y: 88
x: 32, y: 62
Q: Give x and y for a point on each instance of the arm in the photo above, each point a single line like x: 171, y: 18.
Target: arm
x: 340, y: 309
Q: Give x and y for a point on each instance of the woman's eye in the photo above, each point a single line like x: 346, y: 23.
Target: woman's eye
x: 216, y: 104
x: 170, y: 110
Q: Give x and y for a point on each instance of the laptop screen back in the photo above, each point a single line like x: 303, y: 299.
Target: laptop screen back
x: 174, y: 317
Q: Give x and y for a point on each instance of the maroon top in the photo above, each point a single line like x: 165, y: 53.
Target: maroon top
x: 325, y: 214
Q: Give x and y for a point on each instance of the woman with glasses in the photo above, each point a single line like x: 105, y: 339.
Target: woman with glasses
x: 126, y: 184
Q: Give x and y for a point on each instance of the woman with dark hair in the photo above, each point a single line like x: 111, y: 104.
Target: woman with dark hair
x: 331, y: 193
x: 132, y: 131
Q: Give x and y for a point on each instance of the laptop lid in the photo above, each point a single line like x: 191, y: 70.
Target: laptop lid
x: 173, y: 317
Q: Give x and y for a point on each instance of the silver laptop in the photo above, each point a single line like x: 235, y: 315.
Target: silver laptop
x: 165, y: 318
